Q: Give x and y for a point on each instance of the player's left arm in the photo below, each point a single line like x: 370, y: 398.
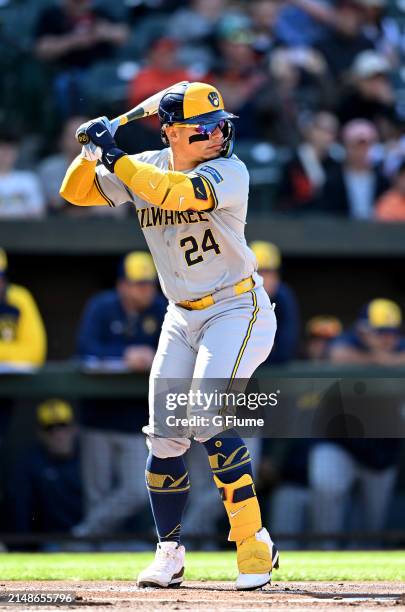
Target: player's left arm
x: 169, y: 190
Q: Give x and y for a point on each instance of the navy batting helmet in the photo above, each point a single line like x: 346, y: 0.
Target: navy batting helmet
x: 197, y: 104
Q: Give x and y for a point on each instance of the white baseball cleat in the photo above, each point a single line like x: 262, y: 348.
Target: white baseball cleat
x: 257, y: 556
x: 167, y: 568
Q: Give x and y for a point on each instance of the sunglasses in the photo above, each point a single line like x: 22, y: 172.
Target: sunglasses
x: 206, y: 129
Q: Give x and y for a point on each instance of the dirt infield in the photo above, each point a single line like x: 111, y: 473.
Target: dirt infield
x: 107, y: 595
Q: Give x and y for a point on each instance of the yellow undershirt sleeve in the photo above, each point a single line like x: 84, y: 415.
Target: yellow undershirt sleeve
x: 79, y: 185
x: 29, y: 345
x: 169, y: 190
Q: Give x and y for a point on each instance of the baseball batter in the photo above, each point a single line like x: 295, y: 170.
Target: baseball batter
x: 191, y: 199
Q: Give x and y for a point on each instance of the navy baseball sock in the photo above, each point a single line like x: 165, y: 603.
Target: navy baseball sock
x: 228, y: 456
x: 168, y: 486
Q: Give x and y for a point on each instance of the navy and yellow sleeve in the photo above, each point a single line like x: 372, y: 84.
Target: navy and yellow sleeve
x: 169, y: 190
x: 81, y: 185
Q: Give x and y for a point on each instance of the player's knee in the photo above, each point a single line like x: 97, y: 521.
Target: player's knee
x: 164, y: 448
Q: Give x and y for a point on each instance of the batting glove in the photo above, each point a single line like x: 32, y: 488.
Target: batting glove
x: 91, y: 152
x: 111, y: 126
x: 98, y: 131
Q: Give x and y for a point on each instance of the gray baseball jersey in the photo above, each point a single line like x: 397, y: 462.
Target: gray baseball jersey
x: 195, y: 253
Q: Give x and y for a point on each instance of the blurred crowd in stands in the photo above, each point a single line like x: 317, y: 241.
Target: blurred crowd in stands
x: 82, y: 473
x: 318, y: 85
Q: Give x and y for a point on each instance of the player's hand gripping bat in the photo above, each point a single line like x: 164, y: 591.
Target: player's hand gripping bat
x: 144, y: 109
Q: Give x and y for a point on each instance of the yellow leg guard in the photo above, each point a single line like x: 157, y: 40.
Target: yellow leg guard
x: 242, y: 507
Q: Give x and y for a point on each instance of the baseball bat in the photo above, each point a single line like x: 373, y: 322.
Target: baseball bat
x: 145, y: 109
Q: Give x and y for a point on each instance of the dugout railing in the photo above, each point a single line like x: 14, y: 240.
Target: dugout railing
x: 309, y: 236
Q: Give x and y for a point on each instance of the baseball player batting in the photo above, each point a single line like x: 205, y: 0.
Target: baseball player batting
x: 191, y: 199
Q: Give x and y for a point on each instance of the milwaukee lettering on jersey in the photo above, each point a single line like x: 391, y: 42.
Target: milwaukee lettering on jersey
x: 178, y: 238
x: 152, y: 217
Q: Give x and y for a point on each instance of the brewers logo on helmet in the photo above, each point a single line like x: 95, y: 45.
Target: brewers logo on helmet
x: 197, y: 105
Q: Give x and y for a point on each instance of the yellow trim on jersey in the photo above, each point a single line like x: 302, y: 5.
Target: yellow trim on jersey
x: 29, y: 344
x: 101, y: 191
x: 170, y: 190
x: 79, y: 186
x: 247, y: 336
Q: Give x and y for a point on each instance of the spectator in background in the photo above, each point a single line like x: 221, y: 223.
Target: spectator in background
x: 305, y: 174
x: 320, y: 332
x: 22, y: 332
x: 123, y: 324
x: 20, y: 190
x: 44, y: 492
x: 337, y: 466
x: 391, y: 205
x: 119, y: 328
x: 52, y: 169
x: 313, y: 18
x: 383, y: 31
x: 299, y: 84
x: 240, y: 75
x: 263, y: 15
x: 371, y: 95
x: 194, y: 26
x: 161, y: 70
x: 197, y: 21
x: 72, y: 37
x: 353, y: 187
x: 393, y: 154
x: 268, y: 266
x: 345, y: 39
x: 289, y: 505
x: 139, y: 9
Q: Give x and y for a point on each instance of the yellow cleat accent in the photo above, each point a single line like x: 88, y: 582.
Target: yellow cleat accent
x: 253, y: 557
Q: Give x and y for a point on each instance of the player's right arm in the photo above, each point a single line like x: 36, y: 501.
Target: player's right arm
x: 80, y: 185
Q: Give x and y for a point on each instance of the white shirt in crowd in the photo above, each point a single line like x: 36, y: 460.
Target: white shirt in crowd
x: 51, y: 172
x: 361, y: 193
x: 21, y: 195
